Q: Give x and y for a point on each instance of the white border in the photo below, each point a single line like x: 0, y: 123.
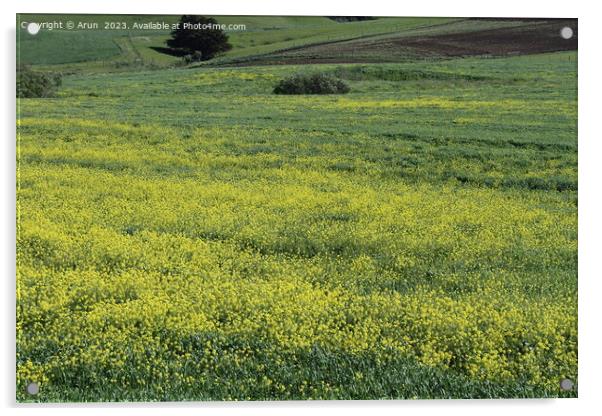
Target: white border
x: 590, y: 207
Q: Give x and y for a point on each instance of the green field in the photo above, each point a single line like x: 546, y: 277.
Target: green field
x: 109, y: 51
x: 185, y: 234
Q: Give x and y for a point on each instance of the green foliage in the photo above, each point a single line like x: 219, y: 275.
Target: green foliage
x: 206, y: 39
x: 318, y: 83
x: 35, y: 84
x: 196, y: 56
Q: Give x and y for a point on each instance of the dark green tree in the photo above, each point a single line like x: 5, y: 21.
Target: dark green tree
x: 199, y: 34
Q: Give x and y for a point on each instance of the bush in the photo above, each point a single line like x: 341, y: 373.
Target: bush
x: 345, y: 19
x: 196, y: 56
x: 32, y: 84
x: 311, y: 84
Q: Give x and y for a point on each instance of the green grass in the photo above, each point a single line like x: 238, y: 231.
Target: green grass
x: 185, y: 234
x: 266, y: 39
x: 77, y: 46
x: 249, y: 43
x: 105, y: 50
x: 315, y: 373
x: 327, y: 43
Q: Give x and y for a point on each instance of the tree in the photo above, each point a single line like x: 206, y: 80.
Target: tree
x: 199, y: 34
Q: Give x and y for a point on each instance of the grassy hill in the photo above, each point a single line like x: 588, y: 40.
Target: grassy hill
x: 105, y: 50
x: 274, y: 39
x: 458, y: 38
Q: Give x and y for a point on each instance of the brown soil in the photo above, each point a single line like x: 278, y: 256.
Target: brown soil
x: 531, y: 37
x: 528, y: 39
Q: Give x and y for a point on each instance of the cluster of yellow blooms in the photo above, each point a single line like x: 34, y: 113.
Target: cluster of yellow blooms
x: 105, y: 268
x: 150, y: 256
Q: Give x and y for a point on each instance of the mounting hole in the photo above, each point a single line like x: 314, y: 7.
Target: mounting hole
x: 33, y: 388
x: 566, y: 384
x: 33, y: 28
x: 566, y: 32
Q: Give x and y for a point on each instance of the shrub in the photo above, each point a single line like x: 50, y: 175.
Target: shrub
x: 387, y: 73
x: 345, y: 19
x: 311, y: 84
x: 196, y: 56
x: 33, y: 84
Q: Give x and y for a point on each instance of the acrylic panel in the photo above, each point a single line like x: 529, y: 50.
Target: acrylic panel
x: 295, y: 207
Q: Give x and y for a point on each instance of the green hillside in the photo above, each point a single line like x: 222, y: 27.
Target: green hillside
x: 110, y: 50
